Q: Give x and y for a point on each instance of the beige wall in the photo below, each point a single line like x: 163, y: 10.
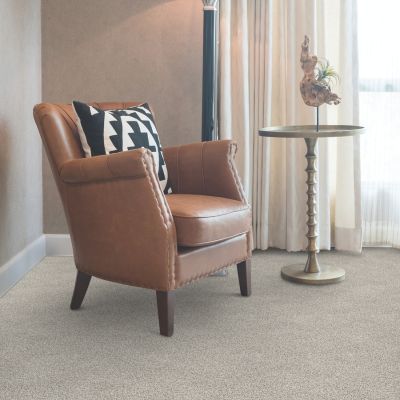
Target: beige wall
x: 101, y: 50
x: 20, y: 148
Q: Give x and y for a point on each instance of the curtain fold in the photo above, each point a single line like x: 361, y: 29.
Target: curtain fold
x: 259, y: 86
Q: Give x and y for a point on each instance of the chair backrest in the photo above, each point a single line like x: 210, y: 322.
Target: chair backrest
x: 59, y: 132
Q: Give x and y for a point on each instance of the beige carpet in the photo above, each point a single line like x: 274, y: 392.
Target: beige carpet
x: 287, y: 341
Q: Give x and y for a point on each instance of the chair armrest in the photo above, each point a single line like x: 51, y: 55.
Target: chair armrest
x: 205, y: 168
x: 121, y: 227
x: 128, y: 164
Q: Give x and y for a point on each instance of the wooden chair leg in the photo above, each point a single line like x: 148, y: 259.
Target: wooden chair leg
x: 81, y: 285
x: 166, y: 309
x: 244, y: 274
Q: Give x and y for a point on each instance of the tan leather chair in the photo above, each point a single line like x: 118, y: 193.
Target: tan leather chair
x: 124, y: 229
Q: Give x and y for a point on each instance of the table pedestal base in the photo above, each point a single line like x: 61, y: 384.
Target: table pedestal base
x: 312, y: 273
x: 328, y: 274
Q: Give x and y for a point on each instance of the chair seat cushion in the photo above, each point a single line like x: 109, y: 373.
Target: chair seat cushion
x: 202, y: 220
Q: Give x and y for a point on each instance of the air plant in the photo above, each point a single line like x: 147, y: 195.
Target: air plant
x: 318, y: 76
x: 326, y: 74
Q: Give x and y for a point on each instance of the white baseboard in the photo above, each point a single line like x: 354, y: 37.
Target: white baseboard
x: 15, y: 269
x: 46, y: 245
x: 58, y: 245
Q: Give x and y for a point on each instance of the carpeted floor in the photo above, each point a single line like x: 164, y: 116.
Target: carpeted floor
x: 287, y: 341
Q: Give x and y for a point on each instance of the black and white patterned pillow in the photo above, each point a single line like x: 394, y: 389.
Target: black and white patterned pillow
x: 112, y: 131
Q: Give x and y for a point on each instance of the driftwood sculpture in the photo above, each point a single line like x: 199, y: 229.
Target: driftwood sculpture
x: 314, y: 87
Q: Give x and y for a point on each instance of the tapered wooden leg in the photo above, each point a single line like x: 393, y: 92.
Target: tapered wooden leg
x: 166, y: 309
x: 81, y: 285
x: 244, y: 274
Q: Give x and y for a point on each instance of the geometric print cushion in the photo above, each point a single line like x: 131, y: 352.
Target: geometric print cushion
x: 112, y: 131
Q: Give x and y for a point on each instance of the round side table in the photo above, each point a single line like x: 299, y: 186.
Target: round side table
x: 312, y: 273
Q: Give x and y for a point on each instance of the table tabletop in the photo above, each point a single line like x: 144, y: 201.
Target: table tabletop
x: 309, y: 131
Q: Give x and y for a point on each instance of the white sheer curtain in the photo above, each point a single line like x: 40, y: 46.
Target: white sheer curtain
x: 259, y: 86
x: 380, y: 112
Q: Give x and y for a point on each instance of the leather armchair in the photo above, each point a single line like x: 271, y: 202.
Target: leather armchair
x: 124, y: 229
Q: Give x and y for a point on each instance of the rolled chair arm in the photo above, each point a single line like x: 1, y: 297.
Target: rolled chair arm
x: 205, y: 168
x: 121, y: 226
x: 128, y: 164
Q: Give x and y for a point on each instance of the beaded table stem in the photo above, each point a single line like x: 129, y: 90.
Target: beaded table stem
x: 312, y: 264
